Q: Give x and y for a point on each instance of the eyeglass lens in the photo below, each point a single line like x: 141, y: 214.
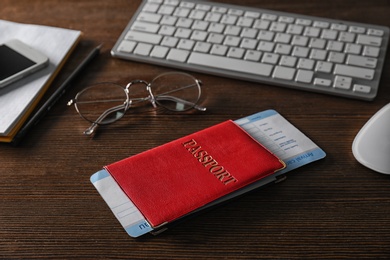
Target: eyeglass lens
x: 176, y: 91
x: 102, y: 103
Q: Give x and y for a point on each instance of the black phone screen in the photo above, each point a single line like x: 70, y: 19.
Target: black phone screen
x: 11, y: 62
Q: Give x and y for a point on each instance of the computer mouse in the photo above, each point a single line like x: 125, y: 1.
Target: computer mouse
x: 371, y: 146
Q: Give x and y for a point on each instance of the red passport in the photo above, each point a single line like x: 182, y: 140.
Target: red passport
x: 172, y: 180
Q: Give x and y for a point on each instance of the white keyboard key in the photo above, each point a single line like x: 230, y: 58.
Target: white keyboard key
x: 232, y: 30
x: 262, y: 24
x: 329, y: 34
x: 312, y: 32
x: 248, y: 44
x: 168, y: 20
x: 266, y: 46
x: 317, y: 54
x: 306, y: 64
x: 353, y: 48
x: 167, y: 30
x: 127, y: 46
x: 219, y: 50
x: 151, y: 7
x: 182, y: 12
x: 321, y: 24
x: 282, y: 38
x: 149, y: 17
x: 295, y: 29
x: 305, y: 22
x: 266, y: 35
x: 278, y: 27
x: 229, y: 19
x: 236, y: 12
x: 219, y: 9
x: 369, y: 40
x: 353, y: 71
x: 230, y: 64
x: 284, y: 73
x: 375, y: 32
x: 184, y: 22
x: 304, y: 76
x: 166, y: 10
x: 339, y: 27
x: 357, y: 29
x: 322, y: 82
x: 199, y: 36
x: 288, y: 61
x: 216, y: 28
x: 143, y: 49
x: 270, y: 58
x: 245, y: 21
x: 203, y: 7
x: 252, y: 14
x: 232, y: 41
x: 145, y: 27
x: 200, y: 25
x: 197, y: 14
x: 187, y: 5
x: 202, y: 47
x: 172, y: 2
x: 215, y: 38
x: 362, y: 89
x: 323, y: 66
x: 283, y: 48
x: 347, y: 37
x: 301, y: 52
x: 169, y: 41
x: 183, y: 33
x: 253, y: 55
x: 362, y: 61
x: 336, y: 57
x: 186, y: 44
x: 143, y: 37
x: 370, y: 51
x: 236, y: 53
x: 270, y: 17
x: 178, y: 55
x: 317, y: 43
x: 286, y: 19
x: 341, y: 82
x: 335, y: 46
x: 249, y: 33
x: 159, y: 52
x: 300, y: 40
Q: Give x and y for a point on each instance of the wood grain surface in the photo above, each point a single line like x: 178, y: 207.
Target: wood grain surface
x: 334, y: 208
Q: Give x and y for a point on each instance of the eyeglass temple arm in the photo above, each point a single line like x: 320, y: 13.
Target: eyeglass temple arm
x: 90, y: 130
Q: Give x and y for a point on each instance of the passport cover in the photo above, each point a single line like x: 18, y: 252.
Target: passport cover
x: 172, y: 180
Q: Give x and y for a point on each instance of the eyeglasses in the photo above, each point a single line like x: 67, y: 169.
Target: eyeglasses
x: 105, y: 103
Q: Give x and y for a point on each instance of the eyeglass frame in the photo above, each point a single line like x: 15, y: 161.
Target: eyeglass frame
x: 151, y: 98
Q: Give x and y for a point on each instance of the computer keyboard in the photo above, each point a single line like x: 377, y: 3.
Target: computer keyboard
x: 284, y: 49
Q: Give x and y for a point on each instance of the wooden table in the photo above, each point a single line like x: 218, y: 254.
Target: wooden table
x: 334, y: 208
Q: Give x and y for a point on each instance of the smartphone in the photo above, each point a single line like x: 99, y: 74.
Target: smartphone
x: 18, y: 60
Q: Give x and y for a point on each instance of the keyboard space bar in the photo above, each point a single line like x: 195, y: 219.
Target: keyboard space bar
x: 231, y: 64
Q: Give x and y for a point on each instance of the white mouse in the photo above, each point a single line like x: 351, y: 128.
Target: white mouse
x: 371, y: 146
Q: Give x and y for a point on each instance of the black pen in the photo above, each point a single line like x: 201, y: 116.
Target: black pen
x: 54, y: 98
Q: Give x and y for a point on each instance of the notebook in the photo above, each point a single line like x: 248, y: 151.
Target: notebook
x: 18, y: 100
